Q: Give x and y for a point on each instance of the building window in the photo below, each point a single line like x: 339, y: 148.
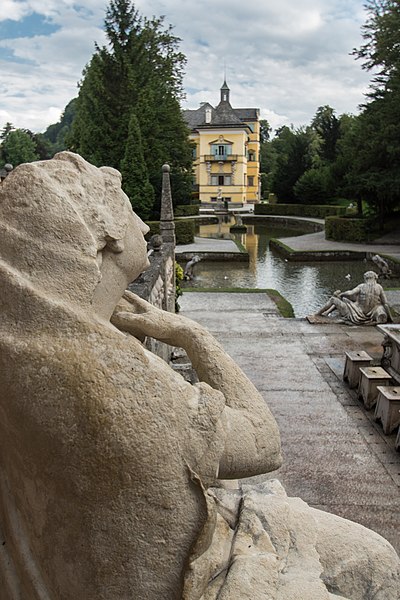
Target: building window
x: 194, y: 152
x: 252, y: 156
x: 221, y: 179
x: 221, y: 150
x: 250, y: 181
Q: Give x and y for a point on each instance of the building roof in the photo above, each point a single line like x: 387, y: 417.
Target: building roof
x: 207, y: 117
x: 223, y: 114
x: 225, y: 86
x: 247, y: 114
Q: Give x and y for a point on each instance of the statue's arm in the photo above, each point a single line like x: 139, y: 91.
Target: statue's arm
x: 351, y: 294
x: 252, y: 436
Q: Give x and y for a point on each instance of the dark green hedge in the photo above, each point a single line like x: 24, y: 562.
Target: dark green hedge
x: 184, y: 230
x: 347, y: 229
x: 154, y: 228
x: 299, y: 210
x: 186, y: 210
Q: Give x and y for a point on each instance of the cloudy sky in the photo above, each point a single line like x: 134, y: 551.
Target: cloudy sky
x: 286, y: 58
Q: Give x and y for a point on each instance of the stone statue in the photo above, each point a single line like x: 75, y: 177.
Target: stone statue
x: 366, y: 304
x: 384, y: 270
x: 188, y: 272
x: 113, y: 469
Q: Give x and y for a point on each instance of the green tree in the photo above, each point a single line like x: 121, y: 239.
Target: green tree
x: 381, y: 51
x: 327, y: 126
x: 57, y: 133
x: 375, y: 173
x: 267, y: 157
x: 140, y: 71
x: 18, y: 147
x: 375, y: 169
x: 8, y: 127
x: 43, y: 148
x: 135, y: 181
x: 315, y: 186
x: 265, y: 131
x: 296, y: 151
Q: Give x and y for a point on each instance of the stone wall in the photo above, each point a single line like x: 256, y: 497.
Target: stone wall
x: 157, y: 286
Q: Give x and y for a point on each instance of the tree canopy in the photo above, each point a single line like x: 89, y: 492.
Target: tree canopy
x: 375, y: 172
x: 139, y: 73
x: 18, y: 147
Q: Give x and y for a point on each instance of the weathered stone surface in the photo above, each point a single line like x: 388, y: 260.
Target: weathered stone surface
x: 280, y: 549
x: 109, y: 460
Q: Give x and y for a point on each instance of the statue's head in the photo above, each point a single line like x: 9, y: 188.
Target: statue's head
x: 58, y: 218
x: 370, y: 276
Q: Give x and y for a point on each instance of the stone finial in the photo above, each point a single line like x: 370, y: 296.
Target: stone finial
x: 5, y: 171
x: 156, y: 242
x: 167, y: 225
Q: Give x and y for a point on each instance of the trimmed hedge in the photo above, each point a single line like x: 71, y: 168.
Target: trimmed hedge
x: 186, y: 210
x: 184, y: 230
x: 154, y: 228
x: 348, y: 229
x: 299, y: 210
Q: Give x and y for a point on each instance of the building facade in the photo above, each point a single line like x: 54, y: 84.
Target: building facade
x: 226, y: 151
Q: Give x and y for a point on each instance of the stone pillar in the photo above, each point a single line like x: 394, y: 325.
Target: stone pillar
x: 167, y: 225
x: 167, y: 231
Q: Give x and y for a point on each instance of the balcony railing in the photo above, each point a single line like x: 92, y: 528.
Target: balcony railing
x: 220, y: 157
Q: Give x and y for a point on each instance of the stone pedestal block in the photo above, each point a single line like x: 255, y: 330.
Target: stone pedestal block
x: 388, y: 407
x: 370, y: 379
x: 355, y: 360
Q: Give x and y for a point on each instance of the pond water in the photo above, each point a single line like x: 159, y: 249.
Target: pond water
x: 307, y: 286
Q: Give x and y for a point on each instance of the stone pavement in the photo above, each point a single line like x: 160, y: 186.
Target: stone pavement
x: 335, y: 457
x: 316, y: 241
x: 208, y: 245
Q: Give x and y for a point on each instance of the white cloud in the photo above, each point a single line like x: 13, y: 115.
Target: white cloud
x: 286, y: 58
x: 11, y: 9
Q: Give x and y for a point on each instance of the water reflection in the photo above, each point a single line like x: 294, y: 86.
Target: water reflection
x: 307, y: 286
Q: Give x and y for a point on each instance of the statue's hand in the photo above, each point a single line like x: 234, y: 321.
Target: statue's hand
x: 139, y: 318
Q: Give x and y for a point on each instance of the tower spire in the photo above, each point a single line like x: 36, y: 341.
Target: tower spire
x: 225, y: 90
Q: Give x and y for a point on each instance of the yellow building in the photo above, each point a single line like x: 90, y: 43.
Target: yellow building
x: 226, y: 151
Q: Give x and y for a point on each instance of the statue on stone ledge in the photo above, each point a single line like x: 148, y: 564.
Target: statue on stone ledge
x: 114, y: 470
x: 366, y: 304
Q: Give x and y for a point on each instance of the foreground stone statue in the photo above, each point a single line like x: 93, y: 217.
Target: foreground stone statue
x: 366, y: 304
x: 112, y: 467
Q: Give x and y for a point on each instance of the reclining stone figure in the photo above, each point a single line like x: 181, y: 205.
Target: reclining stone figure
x: 366, y: 304
x: 113, y: 469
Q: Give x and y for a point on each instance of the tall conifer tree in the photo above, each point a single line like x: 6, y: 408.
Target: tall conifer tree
x: 134, y: 172
x: 375, y: 173
x: 139, y: 72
